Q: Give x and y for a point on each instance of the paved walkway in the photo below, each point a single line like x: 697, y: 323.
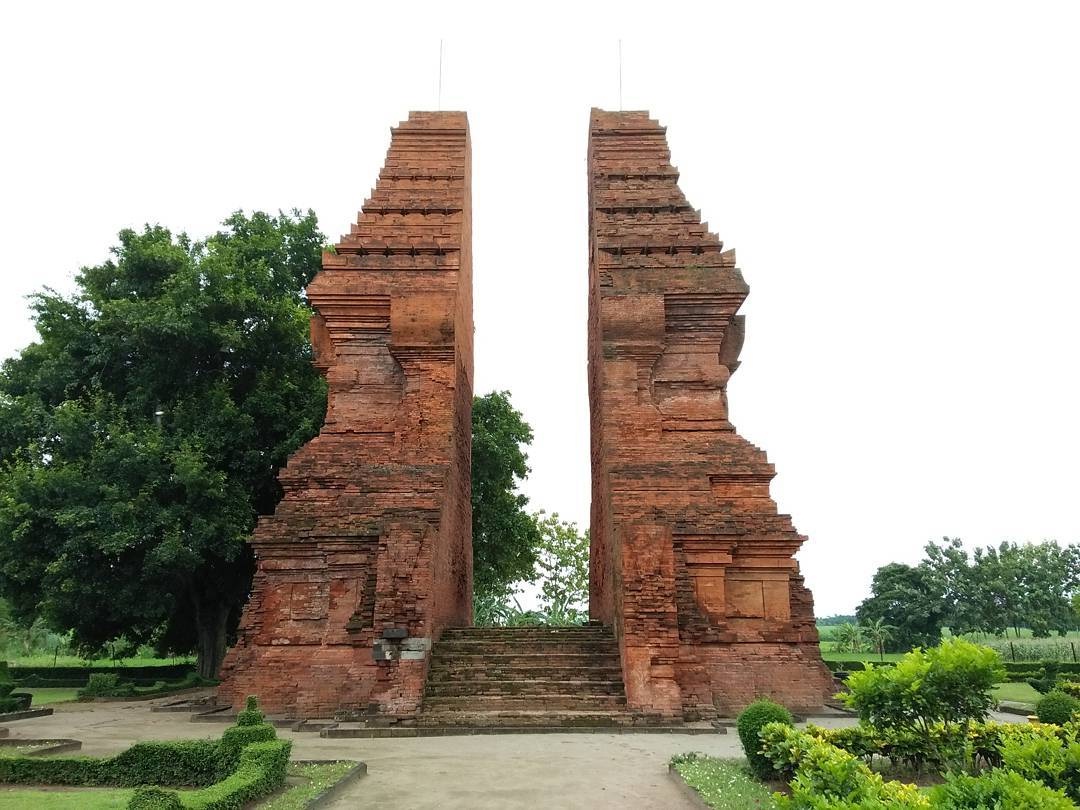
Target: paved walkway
x: 475, y: 772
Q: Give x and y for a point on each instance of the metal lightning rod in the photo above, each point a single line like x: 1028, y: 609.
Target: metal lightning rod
x: 439, y: 107
x: 620, y: 75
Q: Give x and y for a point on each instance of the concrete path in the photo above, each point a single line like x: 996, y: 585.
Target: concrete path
x: 474, y: 772
x: 501, y: 772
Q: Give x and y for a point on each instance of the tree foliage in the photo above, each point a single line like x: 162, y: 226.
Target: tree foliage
x: 141, y: 434
x: 909, y: 600
x: 988, y: 590
x: 506, y: 537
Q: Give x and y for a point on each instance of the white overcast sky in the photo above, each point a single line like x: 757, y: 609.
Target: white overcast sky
x: 900, y: 181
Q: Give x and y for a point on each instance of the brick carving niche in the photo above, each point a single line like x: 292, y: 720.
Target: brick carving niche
x: 369, y: 554
x: 690, y: 560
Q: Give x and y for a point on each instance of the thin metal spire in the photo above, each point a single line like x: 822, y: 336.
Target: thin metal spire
x: 620, y: 75
x: 439, y: 107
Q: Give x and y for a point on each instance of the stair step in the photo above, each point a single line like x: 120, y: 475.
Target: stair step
x: 581, y: 687
x: 532, y: 701
x: 522, y: 718
x: 453, y: 673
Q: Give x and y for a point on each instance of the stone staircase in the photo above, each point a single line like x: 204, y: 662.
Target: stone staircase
x: 525, y: 677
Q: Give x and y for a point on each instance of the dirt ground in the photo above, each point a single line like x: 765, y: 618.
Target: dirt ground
x: 474, y: 772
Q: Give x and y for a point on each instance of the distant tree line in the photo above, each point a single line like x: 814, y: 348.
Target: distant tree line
x: 991, y: 590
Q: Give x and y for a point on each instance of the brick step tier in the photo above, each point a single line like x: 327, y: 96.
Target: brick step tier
x: 527, y: 676
x: 520, y: 686
x: 451, y: 673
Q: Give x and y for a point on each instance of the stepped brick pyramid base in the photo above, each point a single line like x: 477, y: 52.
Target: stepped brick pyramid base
x: 690, y: 563
x: 369, y: 554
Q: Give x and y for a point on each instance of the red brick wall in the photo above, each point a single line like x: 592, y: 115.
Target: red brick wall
x: 691, y: 560
x: 374, y: 530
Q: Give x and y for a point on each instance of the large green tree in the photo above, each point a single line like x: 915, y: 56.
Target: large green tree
x: 506, y: 538
x: 910, y: 600
x: 141, y: 434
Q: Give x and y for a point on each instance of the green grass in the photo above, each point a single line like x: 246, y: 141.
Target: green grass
x: 872, y: 657
x: 1017, y: 693
x: 98, y: 799
x: 318, y: 778
x: 43, y: 696
x: 724, y: 784
x: 75, y: 661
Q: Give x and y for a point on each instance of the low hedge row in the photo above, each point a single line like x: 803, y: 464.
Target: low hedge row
x: 259, y: 772
x: 1017, y: 671
x: 108, y: 684
x: 67, y: 677
x: 248, y: 762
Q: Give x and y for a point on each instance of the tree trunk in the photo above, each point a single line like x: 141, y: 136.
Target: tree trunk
x: 210, y: 622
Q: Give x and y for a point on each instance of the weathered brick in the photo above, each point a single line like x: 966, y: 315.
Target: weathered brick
x: 374, y: 530
x: 690, y: 560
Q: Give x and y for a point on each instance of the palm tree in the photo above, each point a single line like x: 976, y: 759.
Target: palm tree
x: 878, y: 634
x: 848, y: 638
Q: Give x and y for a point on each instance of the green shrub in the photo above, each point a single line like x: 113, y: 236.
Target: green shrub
x: 1056, y: 707
x: 105, y: 684
x: 998, y: 788
x: 154, y: 798
x: 827, y: 777
x: 246, y: 764
x: 754, y: 718
x: 250, y: 715
x: 1070, y: 688
x: 236, y: 738
x: 950, y: 683
x: 1047, y: 679
x: 261, y: 771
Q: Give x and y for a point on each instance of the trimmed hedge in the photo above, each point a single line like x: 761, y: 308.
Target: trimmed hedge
x: 247, y: 763
x: 108, y: 684
x: 74, y: 677
x: 179, y: 763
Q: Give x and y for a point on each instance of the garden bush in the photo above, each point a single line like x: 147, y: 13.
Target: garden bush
x: 1048, y: 754
x: 950, y: 683
x: 10, y: 702
x: 105, y: 684
x: 997, y: 788
x: 154, y: 798
x: 246, y: 763
x: 827, y: 777
x: 1056, y: 707
x: 1047, y: 678
x: 754, y: 718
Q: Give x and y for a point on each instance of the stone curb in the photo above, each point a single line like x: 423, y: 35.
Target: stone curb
x: 691, y: 795
x: 25, y: 714
x: 60, y: 746
x: 461, y: 731
x: 359, y: 769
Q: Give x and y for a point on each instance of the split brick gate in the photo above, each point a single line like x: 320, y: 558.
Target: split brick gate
x: 368, y: 558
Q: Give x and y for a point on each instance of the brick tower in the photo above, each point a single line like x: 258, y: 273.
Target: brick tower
x: 369, y: 554
x: 690, y: 560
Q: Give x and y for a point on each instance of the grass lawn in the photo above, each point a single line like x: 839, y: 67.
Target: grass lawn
x: 312, y: 780
x: 317, y: 778
x: 724, y: 784
x: 1016, y: 692
x: 84, y: 799
x: 44, y: 696
x: 873, y: 658
x: 74, y: 661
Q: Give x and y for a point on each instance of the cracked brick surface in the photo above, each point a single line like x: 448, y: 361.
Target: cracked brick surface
x: 373, y: 535
x: 690, y: 560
